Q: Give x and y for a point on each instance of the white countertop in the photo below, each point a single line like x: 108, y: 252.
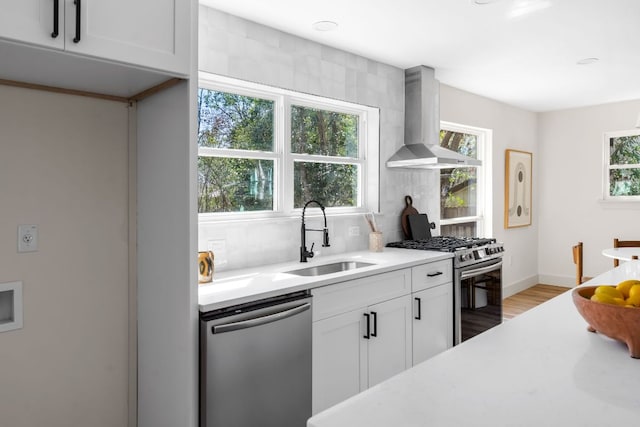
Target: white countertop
x: 241, y: 286
x: 542, y: 368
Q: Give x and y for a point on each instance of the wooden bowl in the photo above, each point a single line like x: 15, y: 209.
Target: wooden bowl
x: 615, y: 321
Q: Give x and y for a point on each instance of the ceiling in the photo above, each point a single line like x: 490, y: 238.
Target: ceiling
x: 521, y: 52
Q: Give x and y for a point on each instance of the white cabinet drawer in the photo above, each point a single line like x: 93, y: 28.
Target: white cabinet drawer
x: 433, y: 274
x: 358, y: 293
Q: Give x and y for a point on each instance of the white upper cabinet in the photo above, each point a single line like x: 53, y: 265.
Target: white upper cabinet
x: 154, y: 34
x: 33, y: 21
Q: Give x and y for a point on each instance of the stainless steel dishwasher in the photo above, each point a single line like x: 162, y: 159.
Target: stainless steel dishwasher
x: 255, y: 364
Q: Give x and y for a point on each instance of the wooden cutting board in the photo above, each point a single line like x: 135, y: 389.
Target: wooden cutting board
x: 404, y: 217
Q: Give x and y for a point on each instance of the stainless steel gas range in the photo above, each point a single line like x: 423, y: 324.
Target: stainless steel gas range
x: 477, y: 275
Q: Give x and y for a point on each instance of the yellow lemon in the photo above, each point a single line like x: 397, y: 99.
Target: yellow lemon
x: 634, y: 300
x: 620, y: 301
x: 634, y: 290
x: 606, y: 299
x: 626, y: 285
x: 610, y: 291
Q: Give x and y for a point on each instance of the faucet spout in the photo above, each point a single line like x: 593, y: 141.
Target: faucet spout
x: 304, y: 253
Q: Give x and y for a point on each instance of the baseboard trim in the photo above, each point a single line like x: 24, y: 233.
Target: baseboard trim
x: 519, y: 286
x: 567, y: 281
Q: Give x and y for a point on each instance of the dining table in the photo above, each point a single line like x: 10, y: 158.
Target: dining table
x: 623, y: 254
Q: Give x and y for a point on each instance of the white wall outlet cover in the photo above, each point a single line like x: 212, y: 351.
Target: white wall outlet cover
x: 27, y: 238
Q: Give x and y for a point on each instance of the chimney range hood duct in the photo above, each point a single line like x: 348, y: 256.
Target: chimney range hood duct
x: 422, y: 126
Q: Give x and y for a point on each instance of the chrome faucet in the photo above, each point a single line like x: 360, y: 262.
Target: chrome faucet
x: 304, y: 253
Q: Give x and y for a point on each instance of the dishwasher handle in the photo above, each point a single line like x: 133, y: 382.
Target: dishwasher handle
x: 250, y: 323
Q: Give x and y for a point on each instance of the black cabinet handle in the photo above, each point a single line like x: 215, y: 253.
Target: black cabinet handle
x: 419, y: 315
x: 56, y: 15
x: 78, y: 4
x: 368, y: 334
x: 438, y: 273
x: 375, y: 324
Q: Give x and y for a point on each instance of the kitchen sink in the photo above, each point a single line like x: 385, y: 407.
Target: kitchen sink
x: 336, y: 267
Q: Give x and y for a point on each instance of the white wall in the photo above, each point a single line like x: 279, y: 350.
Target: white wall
x: 234, y: 47
x: 513, y: 128
x: 570, y: 188
x: 63, y: 166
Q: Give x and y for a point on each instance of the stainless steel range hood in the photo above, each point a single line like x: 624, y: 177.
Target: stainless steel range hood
x: 422, y: 126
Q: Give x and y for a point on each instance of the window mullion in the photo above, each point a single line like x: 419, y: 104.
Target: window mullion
x: 325, y: 159
x: 627, y: 166
x: 237, y: 154
x: 287, y: 161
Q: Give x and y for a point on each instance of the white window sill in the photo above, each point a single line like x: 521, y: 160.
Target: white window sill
x: 619, y: 204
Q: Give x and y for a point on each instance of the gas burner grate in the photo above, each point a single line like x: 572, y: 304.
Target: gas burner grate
x: 441, y: 243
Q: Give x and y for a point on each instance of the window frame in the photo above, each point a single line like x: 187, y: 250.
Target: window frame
x: 484, y: 191
x: 607, y: 167
x: 283, y: 197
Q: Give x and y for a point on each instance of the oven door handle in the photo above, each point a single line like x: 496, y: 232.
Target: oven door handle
x: 482, y: 270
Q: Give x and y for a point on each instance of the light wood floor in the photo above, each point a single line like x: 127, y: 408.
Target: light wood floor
x: 529, y: 298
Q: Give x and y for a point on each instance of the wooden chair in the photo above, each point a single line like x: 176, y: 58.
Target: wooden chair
x: 577, y: 260
x: 624, y: 244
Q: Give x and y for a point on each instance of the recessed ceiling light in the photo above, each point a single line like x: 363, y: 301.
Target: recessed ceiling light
x: 483, y: 2
x: 324, y: 25
x: 587, y: 61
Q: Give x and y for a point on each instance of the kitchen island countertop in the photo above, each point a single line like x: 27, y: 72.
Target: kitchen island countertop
x: 250, y: 284
x: 542, y: 368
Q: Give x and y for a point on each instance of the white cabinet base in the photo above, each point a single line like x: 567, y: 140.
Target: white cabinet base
x: 339, y: 359
x: 432, y: 321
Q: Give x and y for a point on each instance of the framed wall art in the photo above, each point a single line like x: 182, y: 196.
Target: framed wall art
x: 517, y: 189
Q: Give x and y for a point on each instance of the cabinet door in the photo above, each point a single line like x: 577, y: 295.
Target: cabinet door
x: 339, y: 359
x: 390, y: 348
x: 151, y: 33
x: 432, y: 321
x: 32, y: 21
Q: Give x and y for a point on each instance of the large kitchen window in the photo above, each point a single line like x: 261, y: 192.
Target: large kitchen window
x: 264, y: 151
x: 622, y: 165
x: 464, y: 197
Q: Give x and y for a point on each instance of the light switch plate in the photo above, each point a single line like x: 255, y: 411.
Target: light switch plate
x: 27, y: 238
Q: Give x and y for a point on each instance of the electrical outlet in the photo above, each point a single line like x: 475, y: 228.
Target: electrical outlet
x: 354, y: 231
x: 27, y: 238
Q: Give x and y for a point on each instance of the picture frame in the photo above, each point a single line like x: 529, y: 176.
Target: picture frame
x: 518, y: 207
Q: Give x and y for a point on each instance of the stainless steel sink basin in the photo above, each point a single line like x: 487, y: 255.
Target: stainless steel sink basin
x: 319, y: 270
